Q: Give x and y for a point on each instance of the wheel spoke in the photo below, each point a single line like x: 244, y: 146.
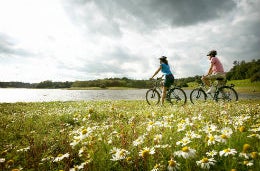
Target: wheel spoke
x: 227, y: 94
x: 177, y: 96
x: 197, y: 96
x: 152, y: 97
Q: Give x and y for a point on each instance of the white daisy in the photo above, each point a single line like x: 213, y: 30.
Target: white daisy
x: 2, y: 160
x: 186, y: 152
x: 227, y: 152
x: 61, y: 157
x: 119, y: 154
x: 227, y: 131
x: 184, y: 141
x: 139, y: 140
x: 210, y: 128
x: 248, y: 163
x: 211, y: 139
x: 173, y: 165
x: 192, y: 134
x: 146, y: 152
x: 158, y: 137
x: 211, y: 153
x: 205, y: 162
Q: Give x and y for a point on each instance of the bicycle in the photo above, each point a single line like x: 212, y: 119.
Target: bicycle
x: 223, y: 92
x: 174, y: 95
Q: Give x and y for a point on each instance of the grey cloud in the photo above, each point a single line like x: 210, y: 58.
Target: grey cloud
x: 119, y: 57
x: 176, y: 12
x: 151, y: 14
x: 84, y: 14
x: 7, y: 46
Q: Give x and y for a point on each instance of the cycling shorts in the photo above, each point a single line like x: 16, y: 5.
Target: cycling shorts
x: 169, y: 80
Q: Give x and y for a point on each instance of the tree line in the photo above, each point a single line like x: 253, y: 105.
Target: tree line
x: 245, y: 70
x: 240, y: 70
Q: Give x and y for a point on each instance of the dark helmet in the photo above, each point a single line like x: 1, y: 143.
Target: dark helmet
x: 163, y: 58
x: 212, y: 53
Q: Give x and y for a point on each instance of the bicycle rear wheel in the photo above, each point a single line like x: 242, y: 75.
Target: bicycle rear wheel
x: 152, y: 97
x: 227, y: 94
x: 197, y: 96
x: 176, y: 96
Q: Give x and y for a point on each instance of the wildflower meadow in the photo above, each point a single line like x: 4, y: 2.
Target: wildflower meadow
x: 130, y: 135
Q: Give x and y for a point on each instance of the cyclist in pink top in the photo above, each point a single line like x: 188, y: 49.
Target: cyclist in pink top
x: 215, y: 71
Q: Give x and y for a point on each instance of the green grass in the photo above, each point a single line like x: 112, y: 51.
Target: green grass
x: 128, y: 135
x: 246, y: 85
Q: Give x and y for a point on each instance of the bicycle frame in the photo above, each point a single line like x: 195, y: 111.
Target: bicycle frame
x: 157, y: 85
x: 215, y: 95
x: 174, y: 94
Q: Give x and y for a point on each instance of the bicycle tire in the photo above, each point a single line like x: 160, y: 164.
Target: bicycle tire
x: 176, y: 96
x: 152, y: 97
x: 227, y: 93
x: 197, y: 96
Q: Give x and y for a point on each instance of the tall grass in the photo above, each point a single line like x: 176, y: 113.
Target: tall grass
x: 129, y: 135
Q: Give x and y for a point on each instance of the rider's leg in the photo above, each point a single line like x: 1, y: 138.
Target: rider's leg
x: 169, y: 79
x: 209, y: 82
x: 206, y: 81
x: 163, y: 94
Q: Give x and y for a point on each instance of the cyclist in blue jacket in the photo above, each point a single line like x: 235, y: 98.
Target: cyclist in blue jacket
x: 169, y: 78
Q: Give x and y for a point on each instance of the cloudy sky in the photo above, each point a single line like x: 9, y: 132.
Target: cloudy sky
x: 68, y: 40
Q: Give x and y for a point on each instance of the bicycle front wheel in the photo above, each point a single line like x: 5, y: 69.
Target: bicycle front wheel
x: 176, y: 96
x: 227, y: 94
x: 197, y: 96
x: 152, y: 97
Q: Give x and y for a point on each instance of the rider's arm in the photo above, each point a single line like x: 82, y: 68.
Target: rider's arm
x: 156, y: 72
x: 210, y: 69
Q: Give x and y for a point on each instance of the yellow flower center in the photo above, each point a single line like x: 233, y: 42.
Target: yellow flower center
x: 172, y: 163
x: 246, y: 147
x: 254, y: 155
x: 211, y: 138
x: 227, y: 150
x: 145, y: 153
x: 122, y: 152
x: 156, y: 166
x: 242, y: 129
x: 185, y: 149
x: 205, y: 160
x: 223, y: 136
x: 246, y: 162
x: 84, y: 131
x: 128, y: 159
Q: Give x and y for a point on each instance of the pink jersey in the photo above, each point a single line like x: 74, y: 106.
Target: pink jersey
x: 217, y: 65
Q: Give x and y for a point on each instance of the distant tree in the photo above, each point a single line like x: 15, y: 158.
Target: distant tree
x: 45, y: 84
x: 255, y: 77
x: 243, y: 70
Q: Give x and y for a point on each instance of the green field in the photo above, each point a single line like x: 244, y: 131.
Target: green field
x: 246, y: 85
x: 129, y: 135
x: 241, y: 86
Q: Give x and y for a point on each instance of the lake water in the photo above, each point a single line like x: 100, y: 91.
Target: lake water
x: 11, y: 95
x: 43, y: 95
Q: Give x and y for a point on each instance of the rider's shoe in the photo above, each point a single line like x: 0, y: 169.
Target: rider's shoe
x: 212, y: 89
